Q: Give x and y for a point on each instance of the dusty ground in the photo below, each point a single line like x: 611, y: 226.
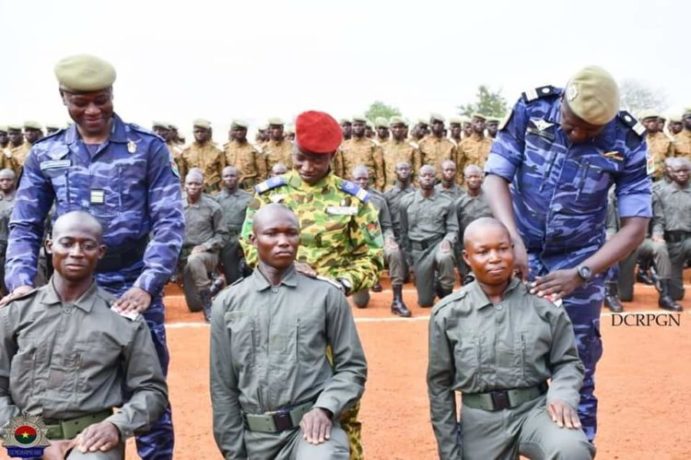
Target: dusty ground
x: 644, y: 384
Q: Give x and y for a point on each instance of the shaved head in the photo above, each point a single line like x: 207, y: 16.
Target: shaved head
x: 7, y: 174
x: 472, y: 169
x: 78, y: 220
x: 479, y: 226
x: 229, y: 169
x: 427, y: 169
x: 270, y: 212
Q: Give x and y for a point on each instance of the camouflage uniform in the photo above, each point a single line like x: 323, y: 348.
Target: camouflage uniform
x: 251, y: 164
x: 395, y: 152
x: 278, y: 152
x: 209, y: 159
x: 433, y: 151
x: 559, y: 196
x: 659, y: 149
x: 365, y: 152
x: 129, y: 185
x: 473, y: 150
x: 340, y: 238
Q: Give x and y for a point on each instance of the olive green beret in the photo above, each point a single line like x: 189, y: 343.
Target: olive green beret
x: 436, y: 117
x: 84, y: 72
x: 275, y: 121
x: 480, y: 116
x: 455, y: 120
x: 674, y: 117
x: 160, y: 124
x: 201, y: 123
x: 381, y: 122
x: 237, y: 123
x: 360, y: 119
x: 397, y: 121
x: 31, y: 124
x: 593, y: 95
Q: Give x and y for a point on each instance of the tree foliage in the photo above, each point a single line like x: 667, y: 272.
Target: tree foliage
x: 489, y: 103
x: 380, y: 109
x: 636, y: 96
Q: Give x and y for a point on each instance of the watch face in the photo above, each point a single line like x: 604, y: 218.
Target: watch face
x: 585, y: 272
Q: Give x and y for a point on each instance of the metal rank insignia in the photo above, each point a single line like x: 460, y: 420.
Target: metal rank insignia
x: 131, y: 146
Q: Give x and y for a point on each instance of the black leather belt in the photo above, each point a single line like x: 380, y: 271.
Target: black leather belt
x: 676, y: 236
x: 123, y: 256
x: 428, y: 243
x: 503, y: 399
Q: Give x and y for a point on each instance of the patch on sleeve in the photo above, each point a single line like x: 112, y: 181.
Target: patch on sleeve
x: 270, y: 184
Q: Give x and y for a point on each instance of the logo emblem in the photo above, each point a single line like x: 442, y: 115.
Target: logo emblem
x: 25, y: 437
x: 571, y: 92
x: 131, y: 146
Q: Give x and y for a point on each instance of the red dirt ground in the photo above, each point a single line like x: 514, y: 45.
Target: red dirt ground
x: 643, y: 383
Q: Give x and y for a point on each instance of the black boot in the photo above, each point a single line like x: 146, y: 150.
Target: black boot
x: 397, y: 306
x: 665, y: 301
x: 205, y: 297
x: 377, y: 287
x: 612, y: 298
x: 643, y: 276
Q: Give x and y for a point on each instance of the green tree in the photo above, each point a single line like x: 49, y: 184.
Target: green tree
x: 488, y: 102
x: 636, y: 97
x: 380, y: 109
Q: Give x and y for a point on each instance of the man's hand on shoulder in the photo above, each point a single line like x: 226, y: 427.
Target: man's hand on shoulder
x: 316, y: 425
x: 18, y: 292
x: 134, y: 300
x: 101, y: 436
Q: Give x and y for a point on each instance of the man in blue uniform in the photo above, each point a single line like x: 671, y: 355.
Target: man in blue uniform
x: 549, y: 170
x: 125, y: 177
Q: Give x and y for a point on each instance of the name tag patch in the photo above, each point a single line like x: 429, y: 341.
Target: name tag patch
x: 341, y: 210
x: 54, y: 164
x: 98, y: 196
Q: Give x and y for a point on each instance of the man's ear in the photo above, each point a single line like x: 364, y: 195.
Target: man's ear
x: 49, y: 246
x: 253, y: 239
x: 102, y: 249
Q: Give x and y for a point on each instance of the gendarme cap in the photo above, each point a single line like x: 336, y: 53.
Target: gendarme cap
x: 593, y: 95
x: 84, y: 73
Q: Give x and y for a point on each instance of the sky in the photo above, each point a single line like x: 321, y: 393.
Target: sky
x: 220, y: 60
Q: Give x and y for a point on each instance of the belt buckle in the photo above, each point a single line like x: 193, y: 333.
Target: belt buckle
x: 282, y: 420
x: 500, y: 399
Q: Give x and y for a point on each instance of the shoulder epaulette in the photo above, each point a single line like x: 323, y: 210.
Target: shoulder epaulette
x: 330, y: 281
x: 448, y: 300
x: 274, y: 182
x: 630, y: 121
x: 50, y: 136
x: 353, y: 189
x: 540, y: 92
x: 238, y: 281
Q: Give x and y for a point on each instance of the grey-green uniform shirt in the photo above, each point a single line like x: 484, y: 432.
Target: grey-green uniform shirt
x: 234, y: 208
x: 469, y: 208
x: 476, y: 347
x: 425, y: 219
x: 379, y: 201
x: 393, y: 198
x: 672, y: 208
x: 63, y: 361
x: 452, y: 192
x: 268, y: 351
x: 204, y: 224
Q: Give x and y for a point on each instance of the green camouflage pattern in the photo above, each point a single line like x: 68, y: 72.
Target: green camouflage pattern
x: 340, y: 236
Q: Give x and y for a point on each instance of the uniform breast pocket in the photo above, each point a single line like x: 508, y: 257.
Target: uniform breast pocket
x: 540, y: 155
x: 334, y: 230
x: 467, y: 356
x: 311, y: 344
x: 240, y: 325
x: 92, y: 359
x: 595, y: 176
x: 534, y: 347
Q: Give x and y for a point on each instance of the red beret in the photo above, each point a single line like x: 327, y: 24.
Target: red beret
x: 317, y: 132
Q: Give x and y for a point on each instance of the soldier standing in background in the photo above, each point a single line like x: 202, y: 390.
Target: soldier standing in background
x: 277, y: 149
x: 398, y: 150
x: 204, y: 154
x: 247, y: 160
x: 360, y: 150
x: 436, y: 148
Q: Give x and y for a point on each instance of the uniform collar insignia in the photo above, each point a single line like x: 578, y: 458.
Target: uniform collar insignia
x: 541, y: 124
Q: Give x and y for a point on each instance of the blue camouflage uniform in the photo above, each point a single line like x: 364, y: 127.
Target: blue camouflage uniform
x: 559, y: 193
x: 130, y: 185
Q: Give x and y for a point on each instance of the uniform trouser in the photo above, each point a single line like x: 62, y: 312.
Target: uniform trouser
x: 679, y: 253
x: 395, y: 260
x: 231, y: 255
x: 199, y: 265
x: 425, y: 262
x: 526, y: 429
x: 290, y: 445
x: 349, y: 423
x: 158, y: 443
x: 116, y: 453
x: 649, y: 249
x: 583, y: 307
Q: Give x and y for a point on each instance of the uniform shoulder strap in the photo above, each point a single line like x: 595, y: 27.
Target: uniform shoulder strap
x: 353, y: 189
x: 631, y: 121
x: 534, y: 94
x: 274, y: 182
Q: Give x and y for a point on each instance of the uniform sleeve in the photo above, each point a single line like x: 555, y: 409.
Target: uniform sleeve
x: 442, y: 400
x: 33, y: 201
x: 349, y: 365
x: 227, y: 419
x: 260, y: 166
x: 658, y: 215
x: 451, y: 224
x: 379, y: 168
x: 145, y: 382
x: 8, y: 348
x: 506, y: 153
x: 168, y: 222
x: 367, y: 255
x: 566, y: 367
x: 633, y: 186
x: 385, y: 219
x: 221, y: 233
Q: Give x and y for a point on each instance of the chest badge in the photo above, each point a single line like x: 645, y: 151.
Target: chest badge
x: 131, y: 146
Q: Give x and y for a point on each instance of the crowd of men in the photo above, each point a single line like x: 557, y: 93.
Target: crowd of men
x: 320, y: 212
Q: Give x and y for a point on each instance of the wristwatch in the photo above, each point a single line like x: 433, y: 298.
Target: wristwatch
x: 584, y: 272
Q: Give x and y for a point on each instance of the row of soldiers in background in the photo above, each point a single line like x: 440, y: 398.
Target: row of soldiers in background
x: 427, y: 143
x: 420, y: 226
x: 666, y: 250
x: 379, y: 145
